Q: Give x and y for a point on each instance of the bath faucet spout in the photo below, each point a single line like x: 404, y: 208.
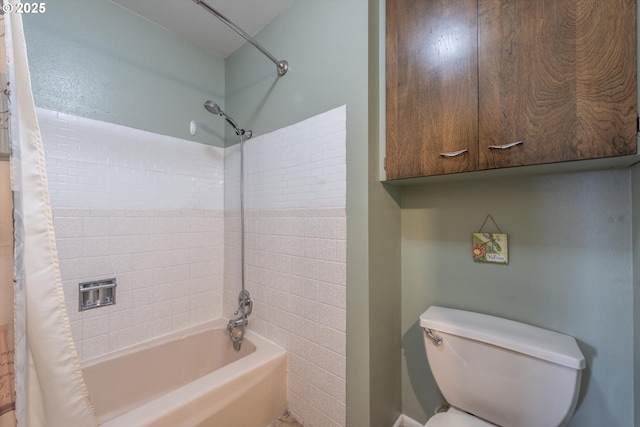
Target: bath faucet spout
x: 245, y: 307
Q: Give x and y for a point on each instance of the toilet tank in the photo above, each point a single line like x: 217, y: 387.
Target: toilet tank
x: 506, y: 372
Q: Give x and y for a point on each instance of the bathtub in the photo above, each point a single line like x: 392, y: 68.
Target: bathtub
x: 190, y: 379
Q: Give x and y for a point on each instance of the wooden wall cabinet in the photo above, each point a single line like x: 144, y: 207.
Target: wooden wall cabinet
x: 485, y: 84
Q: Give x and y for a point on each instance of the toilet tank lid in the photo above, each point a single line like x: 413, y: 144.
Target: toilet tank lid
x: 519, y: 337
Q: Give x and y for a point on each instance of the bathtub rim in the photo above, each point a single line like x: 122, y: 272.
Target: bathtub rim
x: 219, y: 323
x: 265, y: 353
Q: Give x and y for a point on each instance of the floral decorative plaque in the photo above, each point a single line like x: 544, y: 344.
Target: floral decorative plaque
x: 490, y: 247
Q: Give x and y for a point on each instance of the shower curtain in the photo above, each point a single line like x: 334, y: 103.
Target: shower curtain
x: 7, y: 377
x: 49, y: 384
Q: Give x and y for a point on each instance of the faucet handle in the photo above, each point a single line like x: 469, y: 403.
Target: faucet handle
x: 248, y: 307
x: 244, y: 300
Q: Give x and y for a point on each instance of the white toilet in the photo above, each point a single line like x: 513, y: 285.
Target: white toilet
x: 495, y: 371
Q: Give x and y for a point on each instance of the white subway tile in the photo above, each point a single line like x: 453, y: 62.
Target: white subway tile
x: 143, y: 307
x: 70, y: 248
x: 96, y: 246
x: 151, y: 208
x: 95, y: 346
x: 76, y: 330
x: 201, y: 315
x: 120, y: 338
x: 163, y: 326
x: 73, y: 312
x: 142, y: 332
x: 119, y: 264
x: 120, y: 244
x: 72, y: 269
x: 162, y: 309
x: 68, y: 227
x: 180, y: 321
x: 124, y: 301
x: 96, y: 226
x: 119, y: 320
x: 94, y: 326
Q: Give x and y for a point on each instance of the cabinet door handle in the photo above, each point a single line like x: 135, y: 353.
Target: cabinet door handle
x: 505, y: 146
x: 453, y: 153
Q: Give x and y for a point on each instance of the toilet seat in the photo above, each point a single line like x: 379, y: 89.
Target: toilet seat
x: 456, y: 419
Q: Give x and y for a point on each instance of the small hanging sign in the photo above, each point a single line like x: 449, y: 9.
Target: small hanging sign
x: 490, y: 247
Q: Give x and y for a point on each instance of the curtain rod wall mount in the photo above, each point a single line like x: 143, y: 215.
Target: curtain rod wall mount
x: 282, y: 66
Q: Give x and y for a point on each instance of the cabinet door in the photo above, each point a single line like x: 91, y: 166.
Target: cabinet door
x: 558, y: 75
x: 432, y: 87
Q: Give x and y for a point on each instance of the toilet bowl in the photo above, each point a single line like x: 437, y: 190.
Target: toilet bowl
x: 497, y: 372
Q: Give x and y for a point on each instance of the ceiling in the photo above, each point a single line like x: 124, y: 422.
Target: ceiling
x: 191, y: 21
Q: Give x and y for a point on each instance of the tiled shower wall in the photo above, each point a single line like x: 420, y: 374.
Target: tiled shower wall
x: 162, y: 216
x: 144, y: 208
x: 295, y: 219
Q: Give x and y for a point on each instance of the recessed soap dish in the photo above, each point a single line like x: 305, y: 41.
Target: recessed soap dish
x: 97, y: 293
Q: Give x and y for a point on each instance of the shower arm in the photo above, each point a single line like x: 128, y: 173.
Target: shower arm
x: 282, y: 66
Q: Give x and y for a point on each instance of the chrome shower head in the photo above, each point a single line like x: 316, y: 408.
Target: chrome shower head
x: 213, y: 108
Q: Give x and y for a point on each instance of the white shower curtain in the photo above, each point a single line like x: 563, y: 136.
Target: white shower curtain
x: 49, y: 384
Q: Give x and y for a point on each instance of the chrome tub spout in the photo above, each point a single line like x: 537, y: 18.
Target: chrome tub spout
x: 245, y: 308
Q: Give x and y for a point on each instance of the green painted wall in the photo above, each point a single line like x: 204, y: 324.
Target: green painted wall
x: 325, y: 43
x: 570, y: 270
x: 94, y: 59
x: 331, y: 63
x: 635, y: 197
x: 384, y: 251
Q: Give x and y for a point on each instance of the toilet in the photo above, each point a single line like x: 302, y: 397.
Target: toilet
x: 494, y: 371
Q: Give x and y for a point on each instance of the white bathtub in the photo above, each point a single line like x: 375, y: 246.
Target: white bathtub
x: 190, y: 379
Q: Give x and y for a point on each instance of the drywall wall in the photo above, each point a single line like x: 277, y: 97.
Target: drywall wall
x: 570, y: 270
x: 635, y: 200
x: 94, y: 59
x: 384, y: 248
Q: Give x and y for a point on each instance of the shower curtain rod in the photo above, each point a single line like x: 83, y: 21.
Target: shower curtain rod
x: 282, y: 66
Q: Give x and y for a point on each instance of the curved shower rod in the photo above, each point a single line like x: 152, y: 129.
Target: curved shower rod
x: 281, y: 65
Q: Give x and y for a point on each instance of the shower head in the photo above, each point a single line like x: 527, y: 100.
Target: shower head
x: 214, y: 108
